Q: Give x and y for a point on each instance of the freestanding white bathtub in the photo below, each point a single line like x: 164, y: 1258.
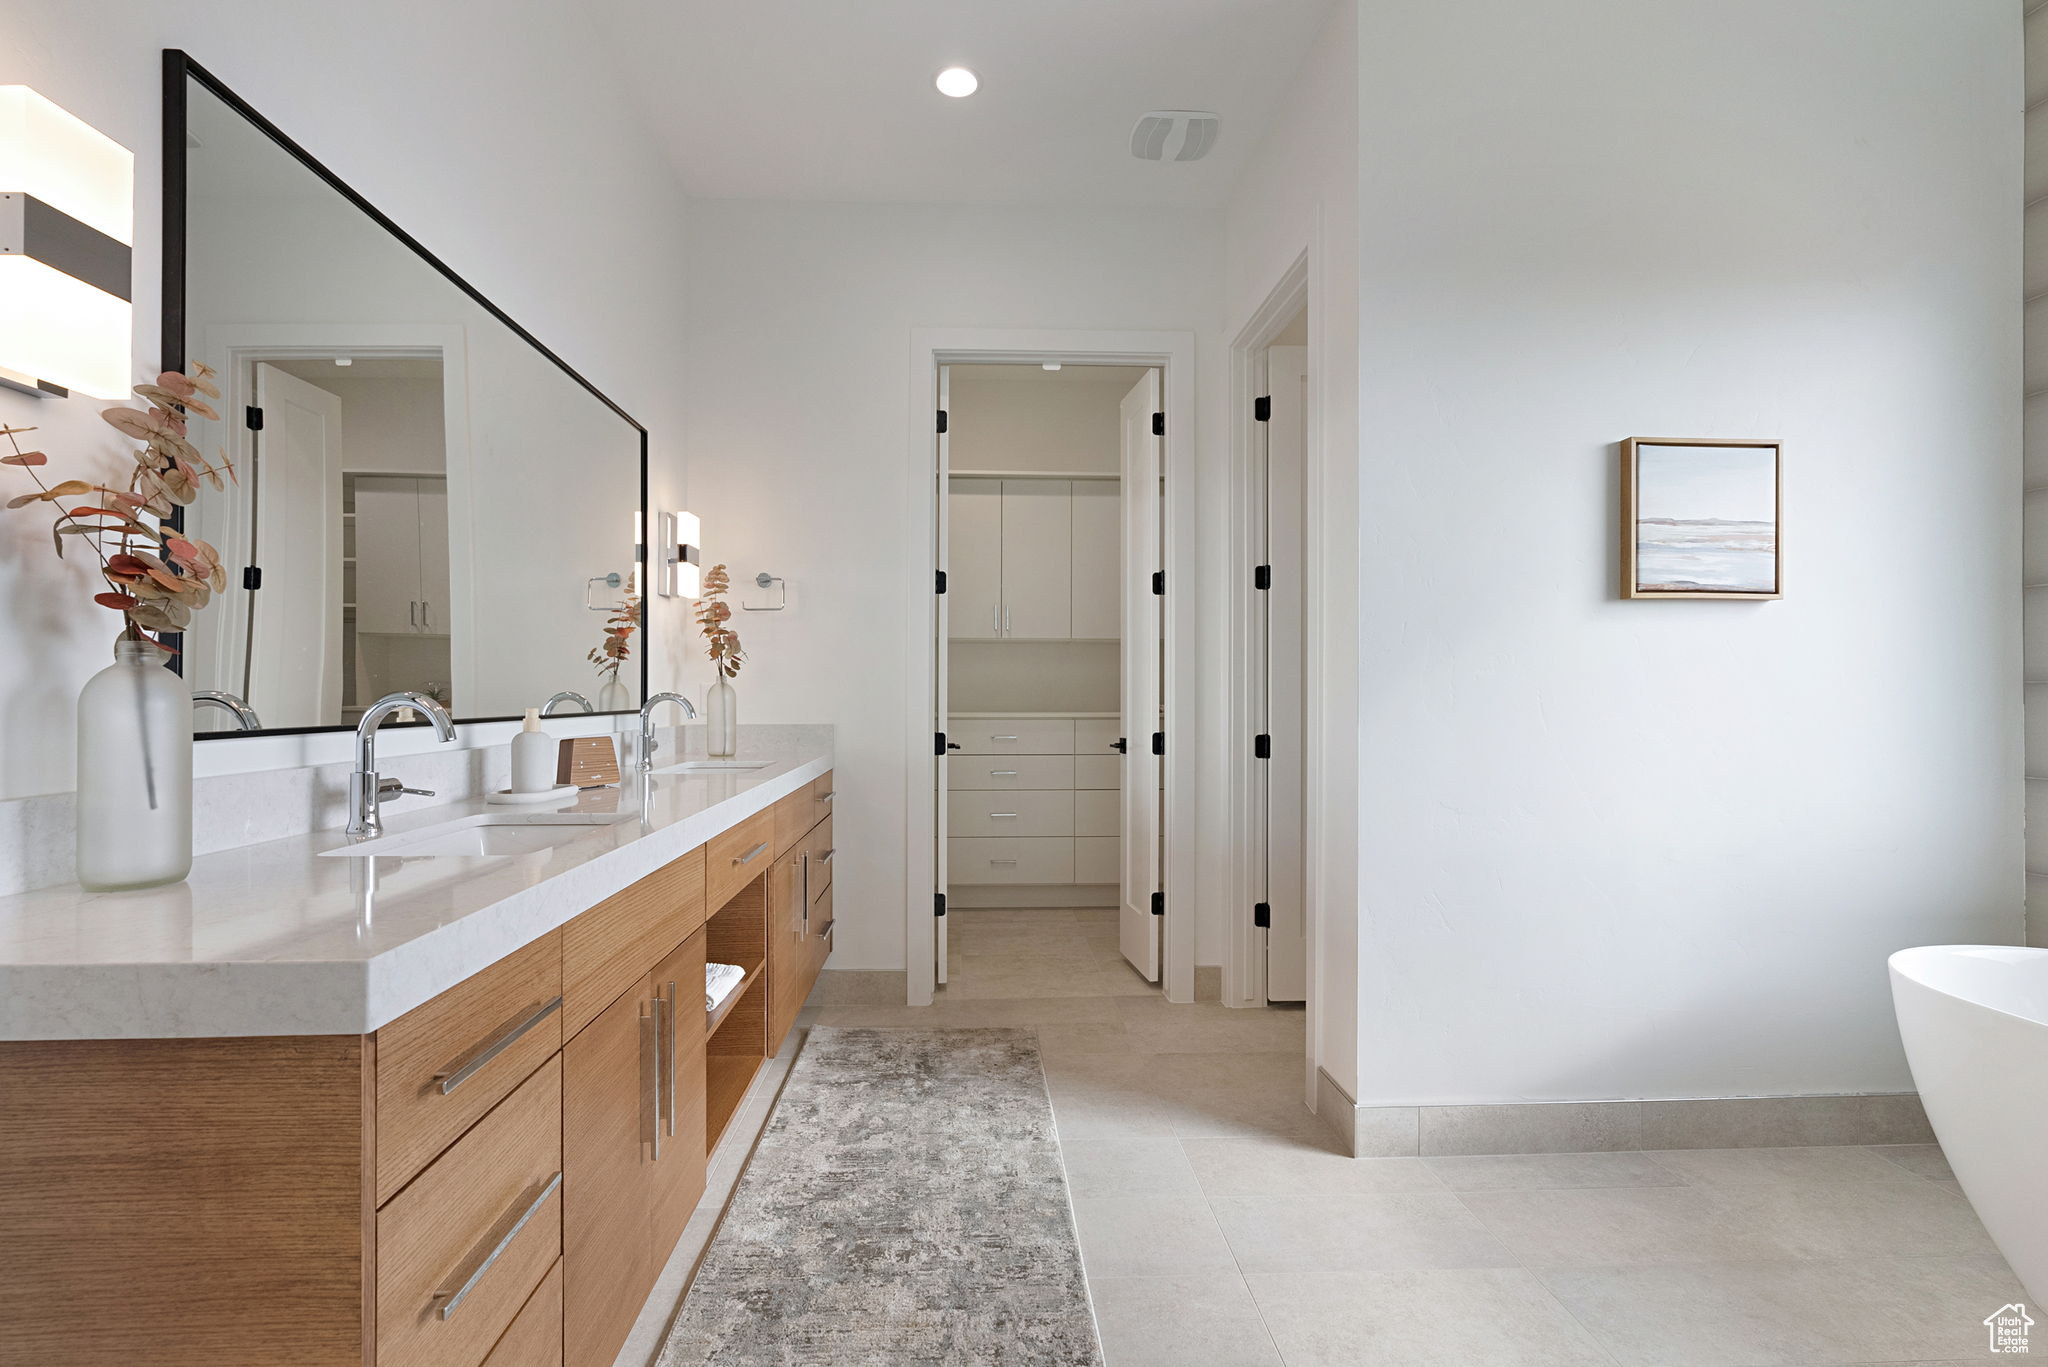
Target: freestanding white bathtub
x: 1975, y: 1022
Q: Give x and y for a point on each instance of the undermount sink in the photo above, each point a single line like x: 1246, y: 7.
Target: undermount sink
x: 492, y: 835
x: 713, y: 766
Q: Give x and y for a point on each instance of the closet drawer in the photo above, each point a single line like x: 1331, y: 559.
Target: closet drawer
x: 461, y: 1250
x: 1096, y: 860
x: 1095, y: 812
x: 738, y: 857
x: 444, y: 1063
x: 998, y: 773
x: 1097, y: 737
x: 1010, y: 814
x: 994, y: 860
x: 1022, y: 736
x: 1098, y: 771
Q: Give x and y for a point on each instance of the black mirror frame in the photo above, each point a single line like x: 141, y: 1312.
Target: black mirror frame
x: 178, y: 69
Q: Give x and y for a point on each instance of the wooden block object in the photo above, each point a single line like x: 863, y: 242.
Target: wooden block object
x: 588, y: 762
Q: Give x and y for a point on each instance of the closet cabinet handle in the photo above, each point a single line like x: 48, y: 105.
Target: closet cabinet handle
x: 1002, y: 816
x: 1002, y: 773
x: 1002, y: 738
x: 1002, y: 861
x: 449, y: 1298
x: 460, y: 1072
x: 412, y: 613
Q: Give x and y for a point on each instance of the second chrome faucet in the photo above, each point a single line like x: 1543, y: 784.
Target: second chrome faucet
x: 366, y: 790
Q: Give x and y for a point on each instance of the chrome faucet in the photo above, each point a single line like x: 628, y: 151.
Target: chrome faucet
x: 366, y: 791
x: 647, y: 741
x: 244, y: 715
x: 547, y: 709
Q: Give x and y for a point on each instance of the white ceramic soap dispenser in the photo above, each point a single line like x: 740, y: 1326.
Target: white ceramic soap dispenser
x: 533, y: 757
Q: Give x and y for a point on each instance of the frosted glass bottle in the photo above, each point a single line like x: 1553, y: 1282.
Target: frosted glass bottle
x: 721, y: 721
x: 134, y: 773
x: 614, y: 696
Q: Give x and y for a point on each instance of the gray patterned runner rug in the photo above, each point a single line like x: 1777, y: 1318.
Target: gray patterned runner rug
x: 906, y: 1207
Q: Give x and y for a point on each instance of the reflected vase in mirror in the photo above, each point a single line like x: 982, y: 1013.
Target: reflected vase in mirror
x: 134, y: 773
x: 614, y: 696
x: 721, y: 721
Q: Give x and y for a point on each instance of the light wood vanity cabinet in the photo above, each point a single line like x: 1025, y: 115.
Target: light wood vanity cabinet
x: 494, y: 1179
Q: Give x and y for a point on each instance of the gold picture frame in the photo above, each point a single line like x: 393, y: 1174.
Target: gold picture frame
x: 1702, y: 517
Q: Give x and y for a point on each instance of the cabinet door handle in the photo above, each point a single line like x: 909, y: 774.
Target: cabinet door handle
x: 426, y: 618
x: 1006, y: 619
x: 750, y: 855
x: 667, y: 1099
x: 996, y: 619
x: 650, y: 1075
x: 827, y: 930
x: 1002, y: 816
x: 455, y: 1074
x: 412, y: 613
x: 449, y: 1298
x: 1002, y: 737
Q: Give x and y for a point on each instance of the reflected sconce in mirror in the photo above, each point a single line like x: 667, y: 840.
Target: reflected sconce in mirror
x: 67, y: 224
x: 681, y: 575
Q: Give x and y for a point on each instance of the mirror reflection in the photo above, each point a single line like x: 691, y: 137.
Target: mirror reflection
x: 426, y: 500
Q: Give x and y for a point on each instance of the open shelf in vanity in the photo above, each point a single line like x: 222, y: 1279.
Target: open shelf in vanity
x: 736, y: 1034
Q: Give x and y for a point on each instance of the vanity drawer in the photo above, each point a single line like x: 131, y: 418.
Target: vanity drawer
x: 608, y: 949
x: 1022, y: 736
x: 822, y: 796
x: 738, y: 857
x: 1097, y: 736
x: 1095, y: 811
x: 972, y: 860
x: 792, y: 819
x: 820, y: 858
x: 460, y: 1251
x: 441, y: 1065
x: 1099, y: 771
x: 535, y: 1338
x: 997, y: 773
x: 1010, y: 814
x: 1097, y: 859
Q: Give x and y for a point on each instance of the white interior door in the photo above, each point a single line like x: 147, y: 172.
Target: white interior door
x: 972, y: 514
x: 1038, y: 559
x: 942, y: 611
x: 294, y: 659
x: 1286, y: 452
x: 1138, y: 930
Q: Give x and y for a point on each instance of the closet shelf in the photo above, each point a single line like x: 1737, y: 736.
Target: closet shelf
x: 1032, y: 474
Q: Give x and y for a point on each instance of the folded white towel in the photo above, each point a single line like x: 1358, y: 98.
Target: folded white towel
x: 720, y: 980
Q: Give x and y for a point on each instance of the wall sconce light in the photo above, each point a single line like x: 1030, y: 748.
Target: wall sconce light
x: 681, y: 576
x: 67, y: 225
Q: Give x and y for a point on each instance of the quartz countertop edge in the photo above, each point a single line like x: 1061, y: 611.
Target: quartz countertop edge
x: 326, y: 990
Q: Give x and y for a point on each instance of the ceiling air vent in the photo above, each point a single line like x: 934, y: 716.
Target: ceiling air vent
x: 1174, y: 135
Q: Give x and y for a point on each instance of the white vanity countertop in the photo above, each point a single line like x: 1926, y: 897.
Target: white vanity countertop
x: 273, y: 939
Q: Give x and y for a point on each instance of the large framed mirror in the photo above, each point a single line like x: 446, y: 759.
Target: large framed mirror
x: 428, y: 498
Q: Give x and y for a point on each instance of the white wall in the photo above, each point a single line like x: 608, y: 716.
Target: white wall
x: 1024, y: 418
x: 1301, y: 198
x: 1658, y: 849
x: 2034, y: 572
x: 561, y: 209
x: 800, y: 449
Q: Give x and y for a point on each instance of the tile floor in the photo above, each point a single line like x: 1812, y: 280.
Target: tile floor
x: 1220, y: 1228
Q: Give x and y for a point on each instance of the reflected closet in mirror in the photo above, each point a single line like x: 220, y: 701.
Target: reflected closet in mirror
x: 428, y: 498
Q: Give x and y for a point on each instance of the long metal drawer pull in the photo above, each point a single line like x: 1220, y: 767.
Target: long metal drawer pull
x: 748, y: 857
x: 450, y: 1299
x: 1009, y: 815
x: 457, y: 1074
x: 826, y: 857
x: 1002, y: 737
x: 668, y: 1065
x: 1002, y: 773
x: 827, y: 930
x: 650, y: 1074
x: 826, y: 797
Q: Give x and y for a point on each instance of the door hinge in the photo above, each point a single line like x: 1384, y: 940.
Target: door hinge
x: 939, y: 743
x: 1159, y: 582
x: 1159, y: 904
x: 942, y: 582
x: 1262, y: 408
x: 252, y: 417
x: 1262, y: 576
x: 252, y: 577
x: 1262, y: 747
x: 1262, y: 915
x: 1158, y: 742
x: 942, y: 422
x: 1158, y: 424
x: 938, y: 904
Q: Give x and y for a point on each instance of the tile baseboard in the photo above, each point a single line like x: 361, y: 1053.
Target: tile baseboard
x: 1609, y: 1126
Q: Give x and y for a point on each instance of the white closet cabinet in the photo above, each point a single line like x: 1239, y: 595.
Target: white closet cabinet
x: 401, y: 555
x: 1033, y: 559
x: 1033, y: 800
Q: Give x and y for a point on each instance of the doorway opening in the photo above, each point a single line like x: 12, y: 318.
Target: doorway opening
x: 1050, y: 654
x: 1055, y: 797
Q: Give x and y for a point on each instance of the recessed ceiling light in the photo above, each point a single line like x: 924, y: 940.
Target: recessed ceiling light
x: 1050, y: 365
x: 958, y: 82
x: 344, y: 360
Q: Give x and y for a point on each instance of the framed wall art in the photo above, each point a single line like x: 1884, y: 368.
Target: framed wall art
x: 1701, y: 517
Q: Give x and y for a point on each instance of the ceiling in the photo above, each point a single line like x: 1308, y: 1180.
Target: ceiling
x: 829, y: 100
